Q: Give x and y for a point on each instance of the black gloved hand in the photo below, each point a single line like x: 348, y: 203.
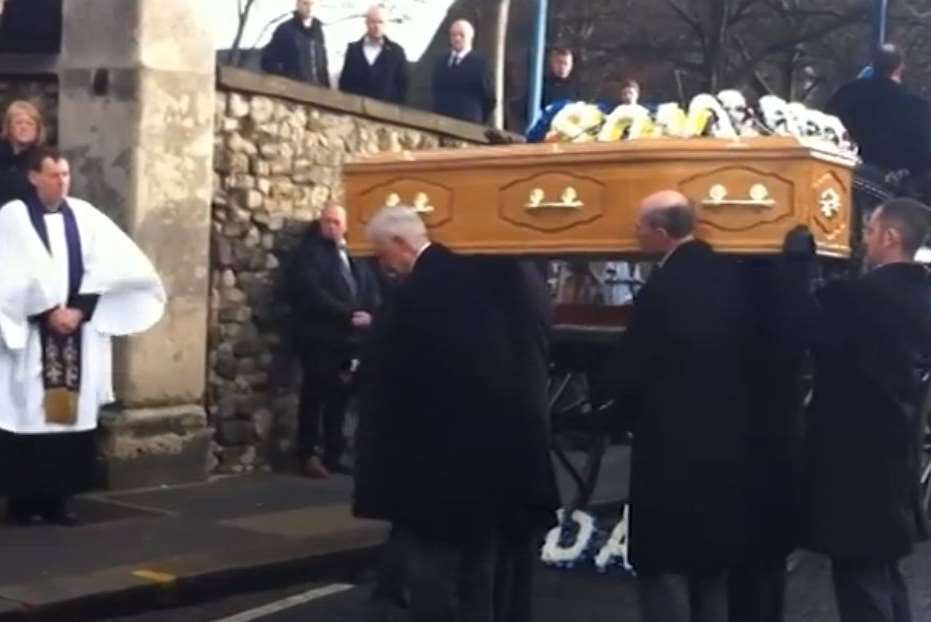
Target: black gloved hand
x: 799, y: 243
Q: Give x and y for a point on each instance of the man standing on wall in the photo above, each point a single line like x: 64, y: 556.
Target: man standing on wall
x: 461, y: 81
x: 375, y: 66
x: 333, y: 296
x: 298, y: 49
x: 560, y: 83
x: 70, y: 280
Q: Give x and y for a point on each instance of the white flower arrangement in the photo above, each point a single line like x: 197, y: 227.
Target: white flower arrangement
x: 576, y: 123
x: 727, y: 115
x: 628, y: 121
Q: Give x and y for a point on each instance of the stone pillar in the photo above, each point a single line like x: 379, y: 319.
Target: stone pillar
x: 136, y: 110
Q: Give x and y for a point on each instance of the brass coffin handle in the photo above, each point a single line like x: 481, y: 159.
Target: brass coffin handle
x: 758, y: 197
x: 420, y: 204
x: 568, y: 199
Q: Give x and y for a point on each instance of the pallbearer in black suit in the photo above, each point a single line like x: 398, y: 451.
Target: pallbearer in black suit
x: 375, y: 66
x: 681, y: 379
x: 461, y: 80
x: 453, y: 439
x: 861, y: 495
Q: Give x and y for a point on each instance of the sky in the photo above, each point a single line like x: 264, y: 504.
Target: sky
x: 411, y: 22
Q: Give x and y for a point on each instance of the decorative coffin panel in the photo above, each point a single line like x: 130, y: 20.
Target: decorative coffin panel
x: 739, y: 198
x: 432, y: 201
x: 551, y: 202
x: 832, y: 207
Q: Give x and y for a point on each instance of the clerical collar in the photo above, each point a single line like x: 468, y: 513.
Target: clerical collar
x: 669, y: 253
x: 307, y: 22
x: 54, y: 210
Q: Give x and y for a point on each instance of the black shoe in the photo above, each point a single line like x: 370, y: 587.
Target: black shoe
x: 19, y: 519
x: 338, y: 468
x: 64, y: 519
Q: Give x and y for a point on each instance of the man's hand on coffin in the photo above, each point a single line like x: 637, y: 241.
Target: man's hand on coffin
x: 361, y: 319
x: 65, y: 321
x: 799, y: 243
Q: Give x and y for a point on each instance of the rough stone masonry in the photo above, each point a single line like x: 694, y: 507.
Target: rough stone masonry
x: 277, y: 161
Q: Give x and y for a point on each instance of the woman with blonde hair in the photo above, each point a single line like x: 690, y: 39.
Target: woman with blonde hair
x: 23, y: 129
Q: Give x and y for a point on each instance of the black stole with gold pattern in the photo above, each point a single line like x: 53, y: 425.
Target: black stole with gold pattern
x: 61, y: 355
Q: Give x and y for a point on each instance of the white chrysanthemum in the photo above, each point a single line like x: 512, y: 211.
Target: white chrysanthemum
x: 626, y: 121
x: 577, y: 122
x: 777, y: 116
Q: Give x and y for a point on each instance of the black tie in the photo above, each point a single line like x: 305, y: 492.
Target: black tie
x: 346, y: 270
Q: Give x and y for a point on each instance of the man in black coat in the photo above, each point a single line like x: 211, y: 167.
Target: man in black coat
x: 860, y: 494
x: 453, y: 444
x: 681, y: 378
x: 376, y: 66
x: 776, y: 357
x: 891, y: 125
x: 461, y: 80
x: 298, y: 48
x: 333, y: 297
x: 560, y: 83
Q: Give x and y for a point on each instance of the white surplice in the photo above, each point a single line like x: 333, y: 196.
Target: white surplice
x: 34, y: 280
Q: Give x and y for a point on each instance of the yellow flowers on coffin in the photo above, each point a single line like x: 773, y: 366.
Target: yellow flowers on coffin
x: 670, y: 121
x: 708, y: 117
x: 576, y: 123
x: 626, y: 121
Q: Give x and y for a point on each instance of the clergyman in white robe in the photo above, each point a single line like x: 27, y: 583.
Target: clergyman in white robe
x: 122, y: 294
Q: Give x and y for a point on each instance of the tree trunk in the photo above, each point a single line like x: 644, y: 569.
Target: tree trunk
x: 235, y: 54
x: 504, y: 8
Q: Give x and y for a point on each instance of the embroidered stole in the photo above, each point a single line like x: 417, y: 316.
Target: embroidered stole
x: 61, y: 355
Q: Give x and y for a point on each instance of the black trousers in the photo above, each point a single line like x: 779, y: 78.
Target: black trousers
x: 324, y: 398
x: 516, y: 554
x: 697, y: 597
x: 40, y: 472
x: 757, y: 591
x: 451, y: 582
x: 870, y: 591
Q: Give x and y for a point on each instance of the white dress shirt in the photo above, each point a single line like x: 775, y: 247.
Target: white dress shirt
x: 457, y: 57
x: 372, y: 50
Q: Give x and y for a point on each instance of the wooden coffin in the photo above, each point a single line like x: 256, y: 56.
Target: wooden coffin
x: 582, y: 199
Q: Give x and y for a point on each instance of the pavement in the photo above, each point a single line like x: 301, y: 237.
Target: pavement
x: 149, y: 547
x: 145, y: 549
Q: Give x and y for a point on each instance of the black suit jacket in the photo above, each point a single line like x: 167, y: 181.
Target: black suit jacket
x: 891, y: 126
x: 449, y: 441
x: 298, y: 52
x: 463, y: 91
x: 681, y: 378
x: 386, y: 80
x: 322, y: 302
x: 863, y: 444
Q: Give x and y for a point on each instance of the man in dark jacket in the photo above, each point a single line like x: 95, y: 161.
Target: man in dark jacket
x: 860, y: 492
x: 681, y: 378
x: 453, y: 444
x: 560, y: 83
x: 376, y: 66
x: 461, y: 81
x: 891, y: 126
x: 333, y: 298
x: 298, y: 49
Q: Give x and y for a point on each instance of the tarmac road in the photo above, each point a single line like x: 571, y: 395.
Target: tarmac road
x: 561, y: 596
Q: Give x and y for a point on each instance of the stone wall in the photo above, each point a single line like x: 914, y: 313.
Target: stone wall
x: 279, y: 151
x: 40, y: 90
